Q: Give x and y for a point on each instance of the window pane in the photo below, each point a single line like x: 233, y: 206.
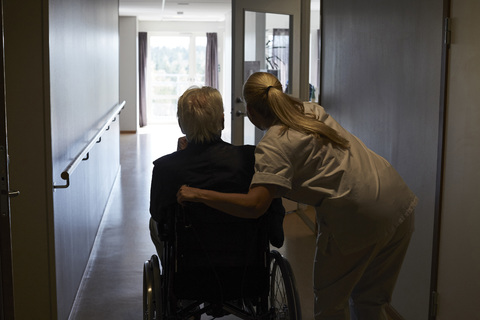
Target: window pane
x: 200, y: 56
x: 168, y: 78
x: 175, y: 63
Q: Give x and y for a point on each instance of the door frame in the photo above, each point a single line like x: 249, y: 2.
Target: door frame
x: 6, y: 269
x: 300, y: 54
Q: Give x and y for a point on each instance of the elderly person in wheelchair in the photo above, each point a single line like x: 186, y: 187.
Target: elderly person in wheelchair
x: 212, y: 262
x: 204, y: 160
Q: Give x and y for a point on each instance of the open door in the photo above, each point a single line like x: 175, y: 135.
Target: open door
x: 269, y: 37
x: 381, y: 80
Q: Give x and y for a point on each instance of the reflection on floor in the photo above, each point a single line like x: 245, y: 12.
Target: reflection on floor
x: 112, y: 284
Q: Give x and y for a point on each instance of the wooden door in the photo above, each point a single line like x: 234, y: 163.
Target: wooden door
x: 6, y: 286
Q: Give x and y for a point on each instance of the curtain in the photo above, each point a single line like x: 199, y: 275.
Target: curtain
x: 211, y: 63
x: 281, y: 45
x: 142, y: 68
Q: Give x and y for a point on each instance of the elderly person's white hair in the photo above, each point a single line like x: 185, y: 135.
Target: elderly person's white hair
x: 200, y: 114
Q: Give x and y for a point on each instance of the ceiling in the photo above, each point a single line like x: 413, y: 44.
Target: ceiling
x: 175, y: 10
x: 180, y: 10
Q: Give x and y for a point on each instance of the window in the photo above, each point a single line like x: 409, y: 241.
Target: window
x: 175, y: 63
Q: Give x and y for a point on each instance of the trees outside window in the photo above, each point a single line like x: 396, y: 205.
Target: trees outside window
x: 175, y: 63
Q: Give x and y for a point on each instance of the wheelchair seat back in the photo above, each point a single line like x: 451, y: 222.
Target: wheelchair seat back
x: 219, y: 257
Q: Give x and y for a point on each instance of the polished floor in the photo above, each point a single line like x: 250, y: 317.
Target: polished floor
x: 112, y: 284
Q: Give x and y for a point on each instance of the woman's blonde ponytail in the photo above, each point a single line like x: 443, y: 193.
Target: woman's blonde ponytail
x: 263, y: 92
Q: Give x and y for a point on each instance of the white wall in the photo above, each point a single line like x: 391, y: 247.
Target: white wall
x: 129, y: 73
x: 83, y: 50
x: 226, y: 78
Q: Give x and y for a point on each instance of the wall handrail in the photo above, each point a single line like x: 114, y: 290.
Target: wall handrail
x: 84, y: 154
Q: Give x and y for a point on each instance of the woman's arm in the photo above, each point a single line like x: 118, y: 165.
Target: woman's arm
x: 251, y: 205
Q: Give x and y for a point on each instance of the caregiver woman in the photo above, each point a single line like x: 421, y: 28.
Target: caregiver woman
x: 364, y: 209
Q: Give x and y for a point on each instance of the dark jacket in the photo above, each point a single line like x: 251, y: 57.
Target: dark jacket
x: 217, y: 166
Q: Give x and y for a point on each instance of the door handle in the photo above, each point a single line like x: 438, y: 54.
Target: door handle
x: 240, y: 113
x: 13, y: 194
x: 238, y: 100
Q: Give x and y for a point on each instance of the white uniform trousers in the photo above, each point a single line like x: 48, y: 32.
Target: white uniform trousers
x: 359, y: 285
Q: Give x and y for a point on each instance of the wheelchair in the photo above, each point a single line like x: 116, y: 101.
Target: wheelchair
x: 218, y: 265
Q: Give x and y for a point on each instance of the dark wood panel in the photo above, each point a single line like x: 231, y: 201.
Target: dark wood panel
x: 29, y: 150
x: 62, y: 80
x: 6, y: 267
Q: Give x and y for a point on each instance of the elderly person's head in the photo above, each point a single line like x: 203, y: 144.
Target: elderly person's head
x: 200, y: 114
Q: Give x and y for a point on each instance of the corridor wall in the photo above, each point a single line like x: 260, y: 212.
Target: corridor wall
x: 381, y: 79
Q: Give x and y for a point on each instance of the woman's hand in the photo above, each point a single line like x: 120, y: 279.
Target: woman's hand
x: 186, y: 193
x: 244, y: 205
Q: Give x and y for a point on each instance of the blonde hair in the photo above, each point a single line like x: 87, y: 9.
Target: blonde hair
x: 263, y: 92
x: 200, y: 114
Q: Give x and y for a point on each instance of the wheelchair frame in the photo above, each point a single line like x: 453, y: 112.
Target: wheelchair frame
x: 277, y: 296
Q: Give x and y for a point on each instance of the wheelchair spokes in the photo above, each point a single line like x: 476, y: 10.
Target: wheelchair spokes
x: 283, y: 293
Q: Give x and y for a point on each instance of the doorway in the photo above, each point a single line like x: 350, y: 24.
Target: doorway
x: 249, y: 22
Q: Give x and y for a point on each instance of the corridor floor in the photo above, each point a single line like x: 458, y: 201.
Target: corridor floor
x: 112, y: 283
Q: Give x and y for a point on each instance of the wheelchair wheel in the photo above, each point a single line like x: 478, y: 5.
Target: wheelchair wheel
x: 283, y: 291
x: 152, y: 295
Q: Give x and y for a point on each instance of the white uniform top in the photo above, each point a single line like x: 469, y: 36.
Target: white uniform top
x: 359, y: 197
